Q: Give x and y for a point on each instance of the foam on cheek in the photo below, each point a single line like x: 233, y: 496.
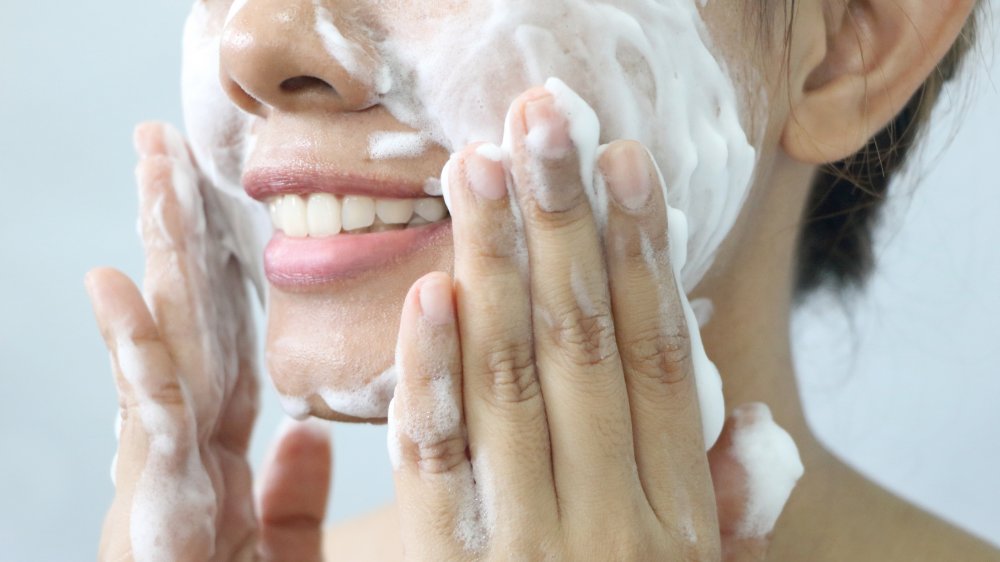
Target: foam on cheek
x: 355, y: 60
x: 221, y: 139
x: 646, y: 68
x: 773, y: 467
x: 347, y: 53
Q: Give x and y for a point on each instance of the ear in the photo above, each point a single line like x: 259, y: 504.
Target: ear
x: 878, y: 53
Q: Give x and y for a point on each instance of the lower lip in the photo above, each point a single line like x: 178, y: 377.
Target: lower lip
x: 304, y: 262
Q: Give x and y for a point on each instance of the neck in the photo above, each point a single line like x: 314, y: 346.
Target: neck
x: 748, y: 336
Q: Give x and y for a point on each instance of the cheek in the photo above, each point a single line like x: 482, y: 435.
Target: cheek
x: 648, y: 69
x: 220, y: 134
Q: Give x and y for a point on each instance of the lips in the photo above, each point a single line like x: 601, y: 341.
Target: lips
x: 296, y: 259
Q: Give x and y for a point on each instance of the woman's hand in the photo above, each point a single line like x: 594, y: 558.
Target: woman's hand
x: 185, y: 368
x: 546, y: 407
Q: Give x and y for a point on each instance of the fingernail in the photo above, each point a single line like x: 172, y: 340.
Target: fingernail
x: 627, y: 171
x: 174, y: 143
x: 547, y: 128
x: 142, y: 139
x: 436, y: 301
x: 550, y: 160
x: 485, y: 173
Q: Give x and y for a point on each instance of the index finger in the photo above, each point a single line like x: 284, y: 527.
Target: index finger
x: 172, y: 225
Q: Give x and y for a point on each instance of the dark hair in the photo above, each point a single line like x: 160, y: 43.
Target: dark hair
x: 846, y: 198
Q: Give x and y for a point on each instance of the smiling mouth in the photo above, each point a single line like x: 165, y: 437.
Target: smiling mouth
x: 319, y: 215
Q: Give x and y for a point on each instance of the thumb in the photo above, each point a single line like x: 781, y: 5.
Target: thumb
x: 291, y: 500
x: 755, y: 466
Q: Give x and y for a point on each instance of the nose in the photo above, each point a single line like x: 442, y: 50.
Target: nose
x: 290, y: 55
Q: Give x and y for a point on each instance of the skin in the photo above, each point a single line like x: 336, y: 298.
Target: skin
x: 618, y: 403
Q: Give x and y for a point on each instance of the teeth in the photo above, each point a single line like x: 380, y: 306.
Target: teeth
x: 394, y: 211
x: 431, y: 209
x: 274, y: 206
x: 293, y: 216
x: 323, y: 214
x: 359, y: 212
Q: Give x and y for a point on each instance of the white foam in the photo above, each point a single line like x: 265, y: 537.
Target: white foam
x: 346, y: 52
x: 432, y: 187
x: 221, y: 139
x: 387, y: 145
x: 365, y: 401
x: 771, y: 460
x: 446, y: 181
x: 297, y: 407
x: 470, y: 529
x: 173, y: 486
x: 490, y: 151
x: 703, y: 310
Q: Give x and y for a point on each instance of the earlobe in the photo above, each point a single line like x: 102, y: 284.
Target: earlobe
x: 878, y: 53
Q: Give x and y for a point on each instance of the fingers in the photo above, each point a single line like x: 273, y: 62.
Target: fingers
x: 505, y: 415
x: 159, y: 477
x: 439, y: 515
x: 653, y: 341
x: 577, y: 358
x: 172, y: 226
x: 295, y: 483
x: 755, y: 466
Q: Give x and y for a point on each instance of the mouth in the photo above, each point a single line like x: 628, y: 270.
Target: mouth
x: 332, y: 226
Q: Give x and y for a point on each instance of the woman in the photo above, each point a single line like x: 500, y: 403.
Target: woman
x: 550, y: 394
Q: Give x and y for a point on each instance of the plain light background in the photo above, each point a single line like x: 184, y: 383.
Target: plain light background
x: 903, y: 383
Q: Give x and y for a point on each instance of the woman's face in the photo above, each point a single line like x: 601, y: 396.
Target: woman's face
x: 338, y: 113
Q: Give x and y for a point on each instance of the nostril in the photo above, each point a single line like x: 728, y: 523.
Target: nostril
x: 304, y: 83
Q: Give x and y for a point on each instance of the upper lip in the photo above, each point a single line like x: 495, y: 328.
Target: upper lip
x: 263, y: 183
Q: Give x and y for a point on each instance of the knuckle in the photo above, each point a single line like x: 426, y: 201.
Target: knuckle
x: 569, y: 220
x: 441, y: 457
x: 659, y: 357
x: 700, y: 551
x: 586, y: 339
x: 511, y: 373
x: 493, y: 251
x: 169, y: 394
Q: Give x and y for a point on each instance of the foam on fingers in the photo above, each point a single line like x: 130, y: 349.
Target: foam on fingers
x: 427, y: 439
x: 173, y: 508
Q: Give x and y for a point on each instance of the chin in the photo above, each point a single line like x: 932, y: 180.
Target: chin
x: 326, y: 359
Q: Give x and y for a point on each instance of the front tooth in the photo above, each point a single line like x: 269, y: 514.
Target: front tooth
x: 430, y: 208
x: 394, y: 211
x: 358, y: 212
x: 293, y: 216
x: 274, y: 206
x: 323, y: 215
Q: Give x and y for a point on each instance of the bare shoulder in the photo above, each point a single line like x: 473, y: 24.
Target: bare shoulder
x: 373, y: 536
x: 838, y: 514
